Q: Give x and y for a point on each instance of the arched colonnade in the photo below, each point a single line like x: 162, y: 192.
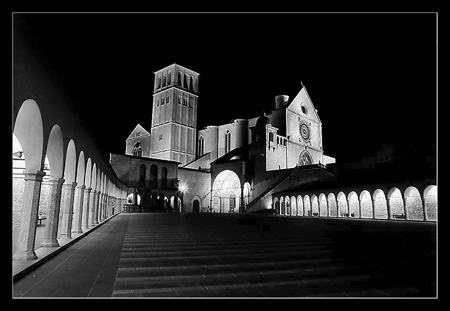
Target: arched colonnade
x: 81, y: 194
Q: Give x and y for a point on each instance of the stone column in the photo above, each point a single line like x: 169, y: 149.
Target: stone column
x: 373, y: 208
x: 51, y: 227
x: 78, y: 209
x: 86, y: 206
x: 68, y: 193
x: 91, y: 209
x: 29, y: 214
x: 388, y: 206
x: 97, y: 207
x: 425, y: 215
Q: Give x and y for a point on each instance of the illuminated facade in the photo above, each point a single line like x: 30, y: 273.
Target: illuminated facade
x: 226, y: 167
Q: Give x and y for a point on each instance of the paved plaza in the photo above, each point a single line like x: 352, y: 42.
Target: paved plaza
x: 241, y: 255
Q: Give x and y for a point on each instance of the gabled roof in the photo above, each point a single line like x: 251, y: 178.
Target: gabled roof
x: 240, y: 152
x: 138, y: 128
x: 301, y: 96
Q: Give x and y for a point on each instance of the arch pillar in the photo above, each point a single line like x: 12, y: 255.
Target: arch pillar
x: 373, y: 206
x: 92, y: 198
x: 97, y: 207
x: 68, y: 192
x: 424, y: 206
x: 359, y: 204
x: 28, y: 223
x: 86, y: 203
x: 51, y: 227
x: 78, y: 209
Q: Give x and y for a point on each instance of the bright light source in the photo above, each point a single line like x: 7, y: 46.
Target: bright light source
x: 183, y: 188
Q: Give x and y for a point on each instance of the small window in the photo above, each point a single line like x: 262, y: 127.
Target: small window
x: 164, y: 79
x: 163, y: 101
x: 179, y: 99
x: 167, y: 99
x: 169, y: 78
x: 158, y: 82
x: 185, y: 100
x: 160, y: 136
x: 138, y: 134
x: 157, y: 103
x: 271, y: 136
x: 191, y: 100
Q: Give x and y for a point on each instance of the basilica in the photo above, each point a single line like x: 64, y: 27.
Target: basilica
x: 233, y: 167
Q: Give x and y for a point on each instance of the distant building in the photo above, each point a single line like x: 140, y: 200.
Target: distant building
x: 221, y: 168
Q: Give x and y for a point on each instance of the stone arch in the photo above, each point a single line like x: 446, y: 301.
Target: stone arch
x: 55, y: 151
x: 353, y: 204
x: 94, y: 177
x: 300, y: 209
x: 380, y: 204
x: 276, y: 205
x: 81, y: 169
x: 29, y: 130
x: 413, y: 204
x: 396, y: 205
x: 366, y: 204
x: 153, y: 176
x: 71, y: 163
x: 88, y: 175
x: 196, y: 204
x: 430, y: 198
x: 287, y: 201
x: 342, y: 205
x: 323, y: 207
x: 227, y: 186
x: 332, y: 206
x: 294, y: 210
x: 282, y: 206
x: 175, y: 205
x: 314, y: 205
x: 307, y: 206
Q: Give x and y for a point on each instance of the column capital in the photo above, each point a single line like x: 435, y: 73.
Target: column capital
x: 56, y: 180
x: 33, y: 175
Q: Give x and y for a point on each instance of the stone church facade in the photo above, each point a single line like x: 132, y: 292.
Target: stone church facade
x: 232, y: 167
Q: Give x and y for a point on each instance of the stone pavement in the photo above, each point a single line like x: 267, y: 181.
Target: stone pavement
x: 241, y: 255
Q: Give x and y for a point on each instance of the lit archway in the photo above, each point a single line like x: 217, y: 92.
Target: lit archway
x: 413, y: 204
x: 226, y: 192
x: 380, y: 203
x: 300, y: 206
x: 396, y: 205
x: 276, y: 205
x: 314, y: 205
x: 323, y: 208
x: 342, y: 205
x: 247, y: 194
x: 332, y: 206
x: 282, y: 206
x: 430, y: 197
x: 287, y: 201
x: 366, y: 204
x: 307, y: 206
x: 353, y: 204
x: 294, y: 211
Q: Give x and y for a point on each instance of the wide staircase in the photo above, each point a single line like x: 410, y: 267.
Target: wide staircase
x: 234, y: 255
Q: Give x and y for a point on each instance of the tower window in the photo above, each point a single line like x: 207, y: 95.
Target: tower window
x: 180, y: 78
x: 191, y: 100
x: 160, y: 136
x: 164, y: 79
x: 227, y: 141
x: 167, y: 99
x: 186, y: 81
x: 163, y: 101
x: 158, y: 82
x: 157, y: 103
x: 185, y: 100
x: 201, y: 144
x: 179, y: 99
x: 192, y: 84
x: 169, y: 78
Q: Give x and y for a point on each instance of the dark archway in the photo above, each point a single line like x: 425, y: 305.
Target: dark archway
x: 196, y: 206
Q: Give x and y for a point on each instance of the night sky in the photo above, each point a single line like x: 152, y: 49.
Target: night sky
x: 372, y: 77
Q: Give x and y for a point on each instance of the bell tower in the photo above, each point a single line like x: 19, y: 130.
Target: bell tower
x: 174, y: 114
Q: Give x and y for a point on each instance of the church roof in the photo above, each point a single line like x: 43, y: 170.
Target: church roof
x: 138, y: 128
x: 240, y: 153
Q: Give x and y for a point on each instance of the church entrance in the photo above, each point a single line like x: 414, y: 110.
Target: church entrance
x: 196, y: 206
x: 226, y: 193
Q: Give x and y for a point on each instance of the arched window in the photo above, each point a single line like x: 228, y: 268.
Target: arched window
x: 201, y: 146
x: 169, y: 77
x: 305, y: 158
x: 164, y: 178
x: 142, y: 176
x: 191, y: 86
x: 158, y: 82
x: 153, y: 176
x: 137, y: 149
x: 186, y: 81
x: 271, y: 136
x: 227, y: 141
x: 164, y: 79
x: 180, y: 78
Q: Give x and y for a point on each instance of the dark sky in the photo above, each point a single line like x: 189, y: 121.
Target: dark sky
x: 372, y: 77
